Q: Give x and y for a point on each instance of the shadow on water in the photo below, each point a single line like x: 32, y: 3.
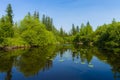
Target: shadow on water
x: 32, y: 61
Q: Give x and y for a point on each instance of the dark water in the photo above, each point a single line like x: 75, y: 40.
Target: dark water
x: 63, y: 62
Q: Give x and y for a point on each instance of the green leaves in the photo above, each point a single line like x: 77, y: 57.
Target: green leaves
x: 85, y: 34
x: 31, y: 30
x: 35, y: 33
x: 6, y: 25
x: 106, y: 36
x: 109, y: 36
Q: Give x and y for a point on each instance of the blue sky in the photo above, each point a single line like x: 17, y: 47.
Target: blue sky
x: 67, y: 12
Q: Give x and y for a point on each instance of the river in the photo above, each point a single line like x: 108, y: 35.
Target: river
x: 59, y: 62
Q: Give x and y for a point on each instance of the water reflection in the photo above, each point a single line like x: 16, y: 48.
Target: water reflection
x: 32, y: 61
x: 111, y: 58
x: 7, y: 60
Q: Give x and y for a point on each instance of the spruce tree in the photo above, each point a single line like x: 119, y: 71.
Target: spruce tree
x: 9, y: 14
x: 9, y: 21
x: 73, y: 29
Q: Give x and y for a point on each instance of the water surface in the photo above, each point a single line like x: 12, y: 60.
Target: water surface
x: 61, y: 62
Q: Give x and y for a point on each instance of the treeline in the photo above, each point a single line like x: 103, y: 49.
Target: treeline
x: 106, y: 36
x: 31, y: 31
x: 35, y: 31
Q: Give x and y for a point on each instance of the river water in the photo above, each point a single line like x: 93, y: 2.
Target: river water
x: 59, y: 62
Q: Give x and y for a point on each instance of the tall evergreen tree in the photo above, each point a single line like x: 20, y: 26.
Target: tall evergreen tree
x: 73, y: 29
x: 77, y: 29
x: 61, y: 32
x: 36, y: 15
x: 9, y: 15
x: 88, y: 29
x: 48, y: 22
x: 8, y: 25
x: 29, y: 14
x: 43, y: 19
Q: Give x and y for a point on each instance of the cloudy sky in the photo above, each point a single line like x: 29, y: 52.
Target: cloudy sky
x: 67, y: 12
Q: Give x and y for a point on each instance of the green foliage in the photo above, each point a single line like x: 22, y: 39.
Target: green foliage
x: 111, y: 37
x: 84, y: 36
x: 58, y: 34
x: 48, y: 22
x: 6, y: 25
x: 69, y: 39
x: 74, y: 30
x: 61, y: 32
x: 9, y: 14
x: 14, y: 41
x: 35, y: 33
x: 7, y: 29
x: 9, y: 20
x: 30, y: 31
x: 106, y: 36
x: 36, y: 15
x: 99, y: 31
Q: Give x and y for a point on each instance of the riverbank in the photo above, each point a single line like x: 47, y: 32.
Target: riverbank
x: 7, y: 48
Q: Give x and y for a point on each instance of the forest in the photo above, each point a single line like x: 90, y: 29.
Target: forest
x: 33, y: 31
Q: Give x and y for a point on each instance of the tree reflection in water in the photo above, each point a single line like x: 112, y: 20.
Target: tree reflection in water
x: 31, y: 61
x: 112, y: 58
x: 35, y: 60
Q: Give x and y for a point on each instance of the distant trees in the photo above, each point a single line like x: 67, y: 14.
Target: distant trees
x: 74, y: 30
x: 106, y: 36
x: 84, y: 36
x: 36, y: 15
x: 48, y: 22
x: 61, y: 32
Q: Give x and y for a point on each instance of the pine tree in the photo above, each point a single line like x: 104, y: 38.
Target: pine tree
x: 8, y: 22
x: 61, y: 32
x: 48, y: 22
x: 43, y: 19
x: 29, y: 14
x: 37, y: 16
x: 77, y: 29
x: 89, y: 28
x: 9, y: 15
x: 73, y: 29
